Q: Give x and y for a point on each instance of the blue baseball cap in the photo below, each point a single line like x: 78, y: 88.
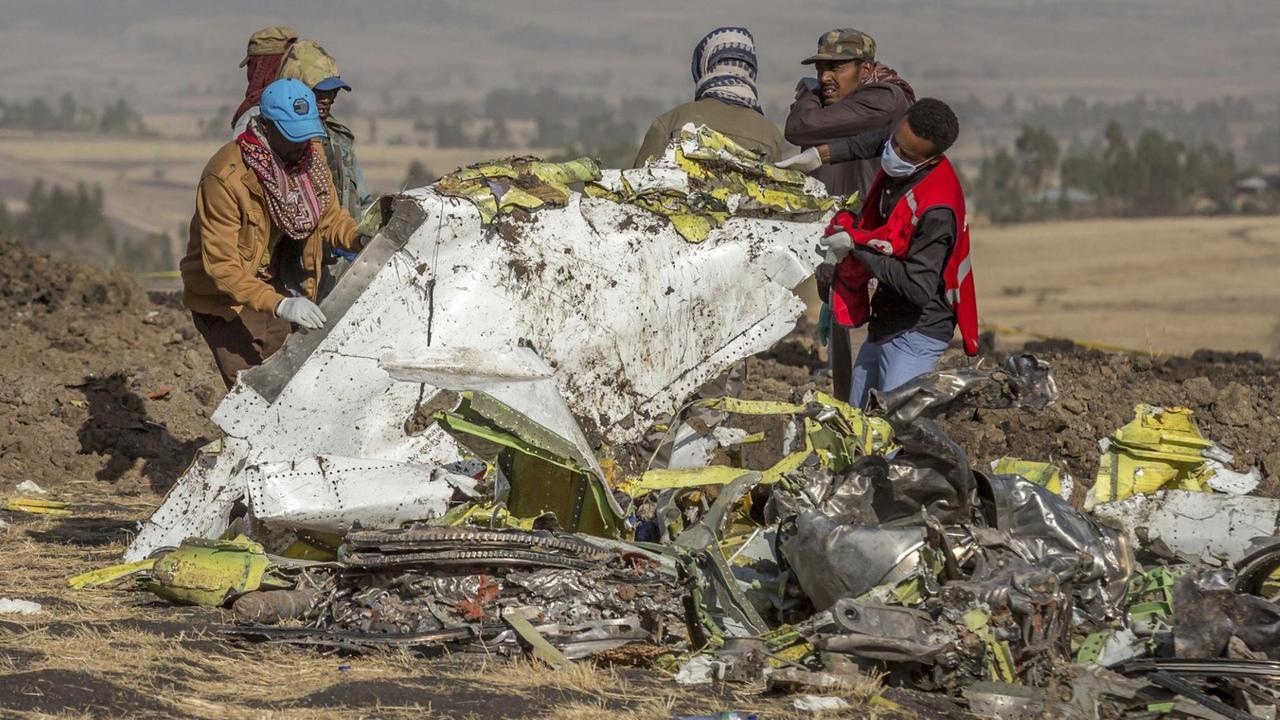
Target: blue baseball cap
x: 291, y: 106
x: 332, y: 83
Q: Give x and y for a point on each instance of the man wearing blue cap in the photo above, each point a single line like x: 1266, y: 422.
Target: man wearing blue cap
x: 265, y: 196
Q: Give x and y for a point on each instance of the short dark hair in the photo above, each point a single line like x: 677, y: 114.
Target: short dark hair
x: 933, y: 120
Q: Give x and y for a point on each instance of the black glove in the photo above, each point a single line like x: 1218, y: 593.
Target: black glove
x: 824, y: 275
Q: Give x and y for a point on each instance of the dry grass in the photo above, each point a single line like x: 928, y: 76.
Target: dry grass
x: 135, y: 655
x: 1168, y: 285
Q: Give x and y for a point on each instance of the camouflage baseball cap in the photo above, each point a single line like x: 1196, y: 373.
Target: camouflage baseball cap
x: 272, y: 40
x: 308, y: 62
x: 843, y: 44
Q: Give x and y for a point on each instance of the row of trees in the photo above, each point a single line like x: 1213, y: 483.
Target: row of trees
x: 1154, y: 175
x: 68, y: 115
x: 72, y: 222
x: 1073, y: 119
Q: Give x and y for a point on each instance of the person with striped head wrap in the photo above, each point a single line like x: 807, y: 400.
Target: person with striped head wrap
x: 724, y: 98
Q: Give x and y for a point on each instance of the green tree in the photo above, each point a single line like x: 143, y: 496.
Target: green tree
x: 1161, y: 184
x: 449, y: 133
x: 1119, y: 175
x: 418, y: 175
x: 998, y: 193
x: 1038, y: 154
x: 1083, y: 171
x: 67, y: 112
x: 1212, y: 173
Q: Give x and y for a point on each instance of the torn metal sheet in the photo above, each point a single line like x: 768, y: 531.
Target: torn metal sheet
x: 330, y: 494
x: 833, y: 561
x: 199, y: 504
x: 630, y: 316
x: 1097, y: 559
x: 1005, y: 701
x: 1195, y: 526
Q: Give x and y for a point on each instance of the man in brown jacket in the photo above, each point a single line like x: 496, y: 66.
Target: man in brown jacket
x: 265, y: 207
x: 851, y: 94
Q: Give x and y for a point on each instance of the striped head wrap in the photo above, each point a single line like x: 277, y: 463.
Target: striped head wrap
x: 724, y: 67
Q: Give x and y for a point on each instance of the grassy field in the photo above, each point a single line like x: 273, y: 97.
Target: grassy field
x: 150, y: 182
x: 1165, y: 285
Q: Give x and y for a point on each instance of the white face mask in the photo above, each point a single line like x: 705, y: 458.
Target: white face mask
x: 895, y: 166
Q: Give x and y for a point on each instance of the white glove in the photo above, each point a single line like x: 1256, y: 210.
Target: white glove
x: 834, y: 247
x: 807, y: 161
x: 301, y: 311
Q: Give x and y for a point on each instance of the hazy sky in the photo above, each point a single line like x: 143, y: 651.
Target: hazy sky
x: 182, y: 54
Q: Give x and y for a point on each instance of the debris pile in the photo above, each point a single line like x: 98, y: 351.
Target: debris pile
x: 446, y: 467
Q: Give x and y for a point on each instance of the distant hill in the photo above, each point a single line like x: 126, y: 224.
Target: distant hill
x: 181, y: 55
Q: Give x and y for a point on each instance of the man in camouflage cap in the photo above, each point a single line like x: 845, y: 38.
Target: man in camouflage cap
x: 851, y: 94
x: 266, y: 49
x: 310, y: 63
x: 843, y: 44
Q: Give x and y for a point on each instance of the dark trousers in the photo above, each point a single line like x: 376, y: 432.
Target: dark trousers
x: 840, y: 353
x: 242, y: 343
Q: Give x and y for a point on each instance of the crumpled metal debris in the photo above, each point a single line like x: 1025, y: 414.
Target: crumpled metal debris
x: 437, y: 446
x: 1209, y: 613
x: 1032, y: 381
x: 212, y: 572
x: 526, y: 183
x: 1042, y: 528
x: 1046, y: 475
x: 833, y: 560
x: 1162, y: 449
x: 409, y: 587
x: 625, y: 318
x: 1193, y: 526
x: 705, y: 178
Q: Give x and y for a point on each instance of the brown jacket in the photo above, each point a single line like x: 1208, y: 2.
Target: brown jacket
x: 870, y: 107
x: 229, y: 234
x: 742, y: 124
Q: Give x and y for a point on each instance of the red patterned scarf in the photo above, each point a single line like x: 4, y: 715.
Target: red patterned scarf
x: 263, y: 70
x: 297, y: 194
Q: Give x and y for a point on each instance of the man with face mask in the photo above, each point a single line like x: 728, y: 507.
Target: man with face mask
x: 851, y: 94
x: 261, y: 195
x: 912, y: 237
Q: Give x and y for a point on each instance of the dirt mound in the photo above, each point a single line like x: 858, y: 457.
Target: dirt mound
x: 98, y: 382
x: 1236, y: 399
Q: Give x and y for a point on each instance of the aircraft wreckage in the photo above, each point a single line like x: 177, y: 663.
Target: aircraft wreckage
x: 439, y: 467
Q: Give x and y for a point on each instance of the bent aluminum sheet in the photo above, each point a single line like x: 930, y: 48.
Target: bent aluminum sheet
x: 631, y: 318
x: 329, y: 494
x: 1194, y: 525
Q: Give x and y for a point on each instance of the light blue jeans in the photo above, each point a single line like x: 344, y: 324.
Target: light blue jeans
x: 886, y: 365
